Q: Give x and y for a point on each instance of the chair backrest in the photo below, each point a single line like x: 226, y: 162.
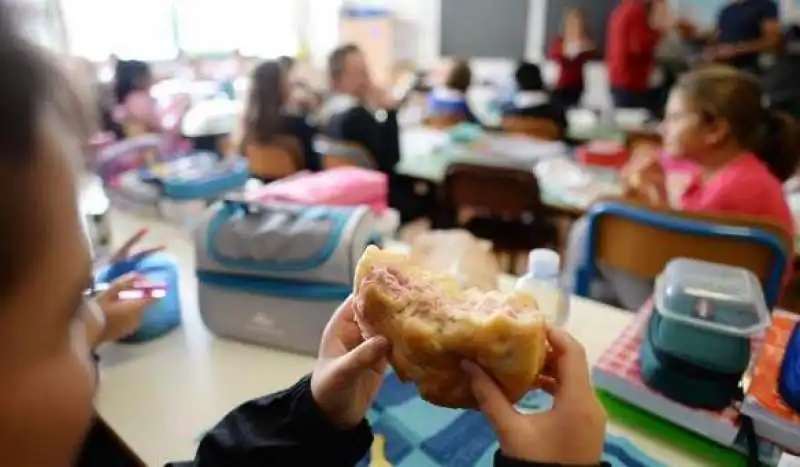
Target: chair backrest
x: 279, y: 159
x: 641, y: 240
x: 442, y: 121
x: 499, y: 190
x: 535, y: 127
x: 343, y: 154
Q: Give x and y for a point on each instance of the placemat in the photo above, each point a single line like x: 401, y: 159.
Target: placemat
x: 410, y: 432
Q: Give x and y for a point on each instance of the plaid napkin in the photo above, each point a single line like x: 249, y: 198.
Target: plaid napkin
x: 413, y: 433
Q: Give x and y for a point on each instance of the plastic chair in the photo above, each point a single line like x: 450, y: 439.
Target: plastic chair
x: 343, y: 154
x: 640, y: 241
x: 274, y: 161
x: 534, y: 127
x: 506, y: 207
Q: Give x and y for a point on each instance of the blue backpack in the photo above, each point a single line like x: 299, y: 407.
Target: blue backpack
x: 789, y: 381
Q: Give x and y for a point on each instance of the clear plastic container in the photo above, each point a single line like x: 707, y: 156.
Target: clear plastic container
x: 543, y: 282
x: 711, y: 296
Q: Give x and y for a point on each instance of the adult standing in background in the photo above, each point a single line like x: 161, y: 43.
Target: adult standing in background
x: 634, y: 30
x: 745, y: 29
x: 571, y: 50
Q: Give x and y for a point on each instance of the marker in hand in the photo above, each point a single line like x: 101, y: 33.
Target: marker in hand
x: 137, y: 291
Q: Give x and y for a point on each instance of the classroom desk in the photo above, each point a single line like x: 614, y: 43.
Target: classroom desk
x: 161, y: 396
x: 426, y: 153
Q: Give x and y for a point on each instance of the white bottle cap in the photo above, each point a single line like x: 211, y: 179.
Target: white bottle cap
x: 543, y: 262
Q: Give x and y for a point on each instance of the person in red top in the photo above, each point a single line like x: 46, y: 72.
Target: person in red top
x: 634, y: 31
x: 571, y: 50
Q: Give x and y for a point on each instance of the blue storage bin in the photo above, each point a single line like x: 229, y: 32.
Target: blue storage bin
x: 165, y: 314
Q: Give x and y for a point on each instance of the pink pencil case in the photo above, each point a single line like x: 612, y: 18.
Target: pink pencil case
x: 341, y: 186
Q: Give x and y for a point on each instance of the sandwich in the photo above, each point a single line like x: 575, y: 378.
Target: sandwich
x: 434, y: 324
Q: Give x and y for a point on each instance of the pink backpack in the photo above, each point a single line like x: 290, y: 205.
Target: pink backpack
x: 341, y: 186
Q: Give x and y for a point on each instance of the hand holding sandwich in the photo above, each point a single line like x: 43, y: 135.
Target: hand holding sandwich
x: 349, y: 369
x: 572, y: 433
x: 644, y: 179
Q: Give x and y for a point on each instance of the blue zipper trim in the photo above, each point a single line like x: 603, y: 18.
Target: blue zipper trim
x: 156, y: 263
x: 235, y: 210
x: 295, y: 290
x: 216, y: 184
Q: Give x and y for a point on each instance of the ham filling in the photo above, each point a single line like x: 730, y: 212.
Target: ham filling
x: 434, y: 306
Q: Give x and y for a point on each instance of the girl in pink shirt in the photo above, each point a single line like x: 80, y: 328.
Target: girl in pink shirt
x: 742, y: 152
x: 738, y: 154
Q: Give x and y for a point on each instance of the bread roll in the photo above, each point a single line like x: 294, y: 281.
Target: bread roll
x: 434, y: 324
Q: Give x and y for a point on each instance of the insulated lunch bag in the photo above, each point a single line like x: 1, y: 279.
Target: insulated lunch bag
x: 274, y: 274
x: 696, y: 347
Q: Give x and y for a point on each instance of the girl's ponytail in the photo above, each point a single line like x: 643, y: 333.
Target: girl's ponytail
x: 779, y: 145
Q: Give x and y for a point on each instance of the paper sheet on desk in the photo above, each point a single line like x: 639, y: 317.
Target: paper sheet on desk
x: 573, y: 183
x: 520, y: 148
x: 422, y: 141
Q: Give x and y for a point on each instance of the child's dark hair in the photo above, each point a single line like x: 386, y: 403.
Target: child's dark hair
x: 34, y: 91
x: 529, y: 77
x: 263, y: 118
x: 725, y: 93
x: 128, y: 77
x: 460, y: 76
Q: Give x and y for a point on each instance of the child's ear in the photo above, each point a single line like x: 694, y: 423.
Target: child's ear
x: 717, y: 132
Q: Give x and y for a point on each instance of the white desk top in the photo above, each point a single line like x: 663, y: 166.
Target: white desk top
x: 161, y: 396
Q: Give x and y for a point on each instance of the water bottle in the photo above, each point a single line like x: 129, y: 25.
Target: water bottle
x: 542, y: 281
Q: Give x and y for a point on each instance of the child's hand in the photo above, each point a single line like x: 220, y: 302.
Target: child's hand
x: 124, y: 252
x: 644, y: 179
x: 122, y: 317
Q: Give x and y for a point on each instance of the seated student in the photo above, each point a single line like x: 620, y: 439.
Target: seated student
x: 532, y: 98
x: 451, y: 98
x: 303, y: 99
x: 571, y: 51
x: 349, y: 114
x: 740, y: 153
x: 266, y: 116
x: 47, y: 416
x: 136, y: 111
x: 135, y: 108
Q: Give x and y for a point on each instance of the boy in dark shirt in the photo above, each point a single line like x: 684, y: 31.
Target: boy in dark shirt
x: 357, y: 111
x: 532, y: 99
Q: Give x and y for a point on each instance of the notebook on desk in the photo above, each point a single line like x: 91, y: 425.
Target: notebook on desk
x: 714, y: 436
x: 617, y: 372
x: 772, y: 418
